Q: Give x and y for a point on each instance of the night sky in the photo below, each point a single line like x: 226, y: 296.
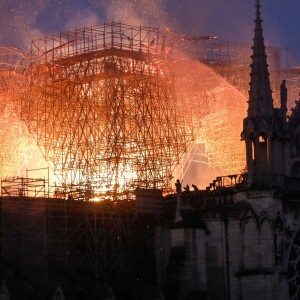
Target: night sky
x: 231, y: 20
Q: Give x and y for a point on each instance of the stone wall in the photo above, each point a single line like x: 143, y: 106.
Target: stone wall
x: 235, y: 254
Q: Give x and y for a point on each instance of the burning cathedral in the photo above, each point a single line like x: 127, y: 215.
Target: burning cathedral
x: 237, y: 239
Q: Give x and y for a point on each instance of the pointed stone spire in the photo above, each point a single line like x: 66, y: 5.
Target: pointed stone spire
x: 260, y: 94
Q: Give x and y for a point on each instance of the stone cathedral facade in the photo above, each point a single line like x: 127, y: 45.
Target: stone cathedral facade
x: 241, y: 240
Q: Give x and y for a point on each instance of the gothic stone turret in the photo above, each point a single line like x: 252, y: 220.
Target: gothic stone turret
x: 264, y: 127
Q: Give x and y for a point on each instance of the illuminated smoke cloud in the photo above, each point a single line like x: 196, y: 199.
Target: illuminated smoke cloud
x: 79, y: 20
x: 136, y: 12
x: 22, y: 20
x: 18, y: 22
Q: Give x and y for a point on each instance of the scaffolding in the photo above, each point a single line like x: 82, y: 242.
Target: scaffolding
x: 100, y: 103
x: 10, y: 61
x: 216, y: 108
x: 115, y: 107
x: 232, y: 60
x: 26, y: 186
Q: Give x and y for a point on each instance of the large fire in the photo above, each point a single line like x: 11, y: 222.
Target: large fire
x: 100, y: 102
x: 113, y: 108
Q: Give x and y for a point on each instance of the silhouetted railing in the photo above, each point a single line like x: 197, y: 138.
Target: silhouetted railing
x: 228, y: 181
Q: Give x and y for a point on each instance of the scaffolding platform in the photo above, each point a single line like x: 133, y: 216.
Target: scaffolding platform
x: 24, y: 187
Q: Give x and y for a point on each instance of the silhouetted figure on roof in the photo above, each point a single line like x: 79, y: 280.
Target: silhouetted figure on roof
x: 178, y: 186
x: 195, y: 187
x: 179, y: 200
x: 187, y: 188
